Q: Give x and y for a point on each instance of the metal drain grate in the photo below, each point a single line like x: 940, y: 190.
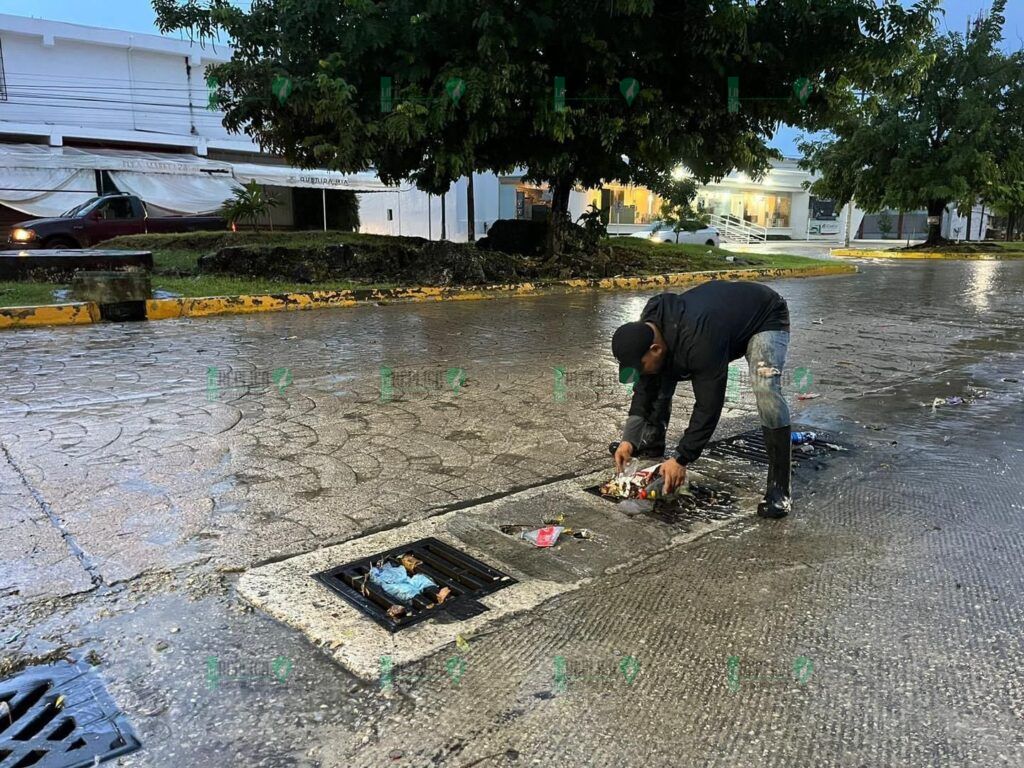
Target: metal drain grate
x: 60, y: 716
x: 466, y: 577
x: 750, y: 447
x: 706, y: 504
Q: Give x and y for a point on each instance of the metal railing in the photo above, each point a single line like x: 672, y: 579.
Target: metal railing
x: 735, y: 230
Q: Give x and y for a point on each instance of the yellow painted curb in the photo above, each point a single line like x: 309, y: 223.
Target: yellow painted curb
x: 79, y: 313
x: 158, y: 309
x: 848, y: 253
x: 163, y: 309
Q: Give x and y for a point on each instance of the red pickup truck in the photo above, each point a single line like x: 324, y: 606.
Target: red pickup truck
x: 102, y: 218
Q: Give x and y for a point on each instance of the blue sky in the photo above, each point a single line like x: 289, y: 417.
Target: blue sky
x: 137, y: 16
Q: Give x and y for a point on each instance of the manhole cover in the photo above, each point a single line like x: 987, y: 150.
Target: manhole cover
x: 750, y: 447
x: 60, y: 716
x: 465, y: 577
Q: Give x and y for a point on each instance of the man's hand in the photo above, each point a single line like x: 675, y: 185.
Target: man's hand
x: 622, y: 455
x: 674, y: 474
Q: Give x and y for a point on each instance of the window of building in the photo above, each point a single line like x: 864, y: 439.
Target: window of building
x: 771, y: 210
x: 624, y: 204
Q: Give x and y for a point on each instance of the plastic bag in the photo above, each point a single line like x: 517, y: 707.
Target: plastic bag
x: 396, y: 581
x: 544, y: 537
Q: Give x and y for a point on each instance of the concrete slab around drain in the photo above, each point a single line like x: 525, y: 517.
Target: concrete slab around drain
x: 287, y: 591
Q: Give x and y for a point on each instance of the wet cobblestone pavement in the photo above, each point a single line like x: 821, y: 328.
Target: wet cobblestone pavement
x: 144, y: 466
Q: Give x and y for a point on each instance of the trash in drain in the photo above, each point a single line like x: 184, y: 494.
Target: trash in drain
x: 391, y: 587
x: 61, y: 716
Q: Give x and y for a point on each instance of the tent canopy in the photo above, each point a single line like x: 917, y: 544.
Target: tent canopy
x: 46, y: 181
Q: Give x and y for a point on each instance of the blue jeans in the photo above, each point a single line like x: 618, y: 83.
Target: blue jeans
x: 766, y: 357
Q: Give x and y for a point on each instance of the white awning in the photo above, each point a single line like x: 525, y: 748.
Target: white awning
x: 285, y: 176
x: 37, y: 156
x: 177, y: 193
x: 44, y: 192
x: 42, y: 179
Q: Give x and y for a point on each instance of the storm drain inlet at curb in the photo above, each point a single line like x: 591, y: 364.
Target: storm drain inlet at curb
x: 465, y: 578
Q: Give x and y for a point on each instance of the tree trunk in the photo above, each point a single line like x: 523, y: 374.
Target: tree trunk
x: 444, y: 219
x: 560, y: 189
x: 970, y: 222
x: 471, y: 209
x: 899, y: 227
x: 935, y: 211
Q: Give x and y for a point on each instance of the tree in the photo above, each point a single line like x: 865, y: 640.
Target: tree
x: 248, y: 204
x: 939, y: 146
x: 576, y: 94
x: 677, y: 210
x: 885, y: 224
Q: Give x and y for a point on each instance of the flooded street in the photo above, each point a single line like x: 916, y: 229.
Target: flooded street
x: 145, y: 467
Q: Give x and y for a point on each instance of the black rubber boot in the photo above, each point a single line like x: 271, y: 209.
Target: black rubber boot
x: 776, y: 503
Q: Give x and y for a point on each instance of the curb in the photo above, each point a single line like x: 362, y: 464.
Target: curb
x: 164, y: 309
x: 853, y: 253
x: 79, y: 313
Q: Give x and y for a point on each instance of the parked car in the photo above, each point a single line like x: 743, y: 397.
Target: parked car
x: 696, y: 233
x: 102, y: 218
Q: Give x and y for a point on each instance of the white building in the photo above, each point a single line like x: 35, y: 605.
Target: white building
x: 85, y: 110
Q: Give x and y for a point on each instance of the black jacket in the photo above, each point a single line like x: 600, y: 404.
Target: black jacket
x: 705, y: 329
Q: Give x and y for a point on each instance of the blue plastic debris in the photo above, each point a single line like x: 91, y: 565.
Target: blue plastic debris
x: 396, y: 581
x: 799, y: 438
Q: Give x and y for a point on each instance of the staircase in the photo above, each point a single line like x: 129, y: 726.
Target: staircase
x: 734, y: 230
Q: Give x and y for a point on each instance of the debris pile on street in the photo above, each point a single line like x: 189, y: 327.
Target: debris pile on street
x: 629, y: 485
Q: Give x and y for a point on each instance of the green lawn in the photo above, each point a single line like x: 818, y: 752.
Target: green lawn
x: 28, y: 294
x: 175, y: 260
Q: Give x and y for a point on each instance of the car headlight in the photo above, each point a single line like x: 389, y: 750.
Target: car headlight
x: 23, y: 235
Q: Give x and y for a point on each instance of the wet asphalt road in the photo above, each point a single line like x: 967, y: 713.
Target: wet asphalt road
x: 880, y: 625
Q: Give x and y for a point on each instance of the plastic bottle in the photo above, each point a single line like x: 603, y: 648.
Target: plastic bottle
x: 799, y: 438
x: 656, y: 490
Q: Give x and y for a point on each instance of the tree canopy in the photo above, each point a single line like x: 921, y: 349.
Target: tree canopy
x: 573, y: 93
x: 928, y: 141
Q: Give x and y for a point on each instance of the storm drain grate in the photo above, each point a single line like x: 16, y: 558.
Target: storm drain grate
x: 704, y: 503
x: 60, y: 716
x: 750, y: 447
x: 465, y: 577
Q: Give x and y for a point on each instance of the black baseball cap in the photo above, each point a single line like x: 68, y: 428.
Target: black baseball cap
x: 630, y: 343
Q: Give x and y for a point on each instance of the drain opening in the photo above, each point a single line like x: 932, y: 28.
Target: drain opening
x: 60, y: 716
x: 749, y: 446
x: 704, y: 503
x: 464, y: 577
